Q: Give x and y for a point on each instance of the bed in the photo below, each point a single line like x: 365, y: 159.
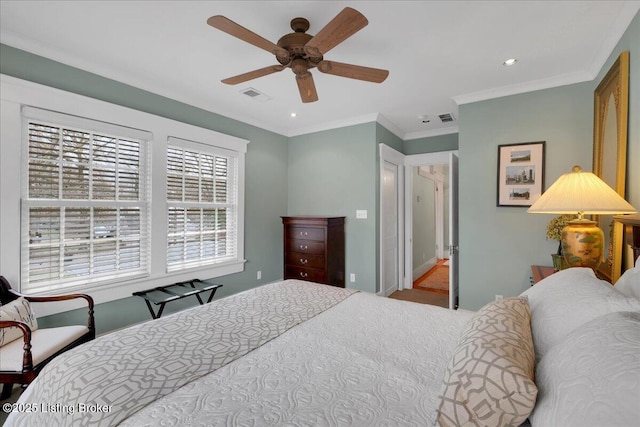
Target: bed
x: 566, y: 352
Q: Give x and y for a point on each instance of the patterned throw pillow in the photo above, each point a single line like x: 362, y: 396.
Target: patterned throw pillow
x: 489, y: 379
x: 20, y: 311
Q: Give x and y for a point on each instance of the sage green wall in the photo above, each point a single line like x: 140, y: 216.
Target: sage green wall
x: 334, y: 173
x: 431, y: 144
x: 499, y: 244
x: 630, y: 41
x: 385, y: 136
x: 266, y: 177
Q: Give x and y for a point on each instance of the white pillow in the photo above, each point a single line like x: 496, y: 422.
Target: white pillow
x: 592, y: 377
x: 568, y: 299
x: 18, y: 310
x: 629, y: 282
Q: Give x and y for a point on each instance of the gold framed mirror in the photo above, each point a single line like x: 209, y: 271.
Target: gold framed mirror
x: 610, y: 118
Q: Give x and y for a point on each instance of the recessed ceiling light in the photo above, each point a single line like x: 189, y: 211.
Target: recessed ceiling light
x: 293, y: 114
x: 509, y: 62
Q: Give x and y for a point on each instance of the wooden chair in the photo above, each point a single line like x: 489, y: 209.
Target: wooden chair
x: 22, y: 359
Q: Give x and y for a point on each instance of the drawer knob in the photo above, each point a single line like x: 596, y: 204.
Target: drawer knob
x: 304, y: 247
x: 303, y: 260
x: 303, y: 274
x: 304, y: 233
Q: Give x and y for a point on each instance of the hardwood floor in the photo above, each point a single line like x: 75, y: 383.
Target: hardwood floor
x: 435, y: 293
x: 422, y: 297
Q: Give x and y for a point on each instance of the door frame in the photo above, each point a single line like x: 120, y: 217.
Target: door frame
x: 389, y: 155
x: 410, y: 161
x: 405, y: 224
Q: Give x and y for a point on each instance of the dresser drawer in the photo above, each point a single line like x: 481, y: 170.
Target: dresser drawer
x: 297, y: 259
x: 305, y: 246
x: 314, y: 249
x: 309, y: 274
x: 307, y: 233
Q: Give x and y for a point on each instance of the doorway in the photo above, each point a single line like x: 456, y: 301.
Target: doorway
x: 430, y: 196
x: 404, y: 222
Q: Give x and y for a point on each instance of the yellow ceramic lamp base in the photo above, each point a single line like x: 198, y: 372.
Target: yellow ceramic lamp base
x: 583, y: 244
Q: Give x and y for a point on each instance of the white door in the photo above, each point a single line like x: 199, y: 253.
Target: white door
x: 389, y: 282
x: 453, y: 232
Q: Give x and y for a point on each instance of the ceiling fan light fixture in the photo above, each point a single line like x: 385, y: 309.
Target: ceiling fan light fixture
x: 509, y: 62
x: 301, y: 52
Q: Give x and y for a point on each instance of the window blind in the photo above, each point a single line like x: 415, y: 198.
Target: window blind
x: 202, y: 205
x: 85, y: 208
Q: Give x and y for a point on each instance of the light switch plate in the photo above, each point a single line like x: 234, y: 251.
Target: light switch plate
x: 361, y: 214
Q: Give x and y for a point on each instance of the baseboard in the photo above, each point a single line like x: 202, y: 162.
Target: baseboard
x: 422, y: 269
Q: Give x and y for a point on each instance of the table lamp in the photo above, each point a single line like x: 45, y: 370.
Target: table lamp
x: 581, y: 193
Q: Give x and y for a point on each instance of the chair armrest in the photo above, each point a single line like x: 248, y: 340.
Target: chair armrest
x: 90, y: 320
x: 26, y: 330
x: 57, y: 298
x: 27, y: 358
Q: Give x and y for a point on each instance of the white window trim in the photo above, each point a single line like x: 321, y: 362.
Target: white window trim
x: 232, y: 206
x: 79, y: 284
x: 16, y: 94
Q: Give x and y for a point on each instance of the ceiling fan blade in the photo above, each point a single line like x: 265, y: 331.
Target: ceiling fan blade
x: 357, y: 72
x: 344, y: 25
x: 241, y: 78
x: 306, y: 87
x: 236, y: 30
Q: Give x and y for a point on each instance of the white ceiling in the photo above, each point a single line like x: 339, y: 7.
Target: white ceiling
x: 439, y: 53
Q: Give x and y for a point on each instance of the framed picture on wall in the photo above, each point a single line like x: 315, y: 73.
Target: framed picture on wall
x: 520, y: 173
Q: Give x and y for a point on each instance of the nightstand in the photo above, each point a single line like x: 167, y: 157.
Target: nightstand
x: 539, y: 272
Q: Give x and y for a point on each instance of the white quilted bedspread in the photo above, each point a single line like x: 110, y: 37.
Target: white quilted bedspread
x: 103, y: 382
x: 286, y: 354
x: 368, y: 361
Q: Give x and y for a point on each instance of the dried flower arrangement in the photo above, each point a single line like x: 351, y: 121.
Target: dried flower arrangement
x: 555, y: 226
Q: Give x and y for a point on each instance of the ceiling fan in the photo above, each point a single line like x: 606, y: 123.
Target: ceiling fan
x: 301, y: 52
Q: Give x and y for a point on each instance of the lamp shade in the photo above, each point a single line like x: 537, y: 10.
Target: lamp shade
x: 580, y: 192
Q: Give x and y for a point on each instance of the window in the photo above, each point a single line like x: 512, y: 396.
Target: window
x: 76, y: 181
x: 202, y: 205
x: 84, y: 206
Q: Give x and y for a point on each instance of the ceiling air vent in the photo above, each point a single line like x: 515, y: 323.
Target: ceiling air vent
x: 255, y: 94
x: 446, y: 117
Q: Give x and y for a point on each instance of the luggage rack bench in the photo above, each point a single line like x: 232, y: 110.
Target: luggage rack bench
x: 163, y: 294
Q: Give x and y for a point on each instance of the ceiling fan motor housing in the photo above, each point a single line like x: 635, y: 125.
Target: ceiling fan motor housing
x: 294, y: 44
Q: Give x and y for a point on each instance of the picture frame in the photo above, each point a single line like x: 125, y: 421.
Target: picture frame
x: 520, y: 173
x: 610, y: 135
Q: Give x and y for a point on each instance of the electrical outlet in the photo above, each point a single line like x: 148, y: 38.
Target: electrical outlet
x: 499, y: 297
x: 352, y: 277
x: 259, y: 275
x: 361, y: 214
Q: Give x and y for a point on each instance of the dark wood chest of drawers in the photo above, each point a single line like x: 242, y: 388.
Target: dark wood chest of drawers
x: 314, y: 249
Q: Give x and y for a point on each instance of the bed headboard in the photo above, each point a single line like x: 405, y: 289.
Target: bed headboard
x: 630, y: 239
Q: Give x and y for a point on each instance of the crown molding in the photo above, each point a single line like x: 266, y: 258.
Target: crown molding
x: 619, y: 27
x: 335, y: 124
x: 390, y: 126
x: 531, y: 86
x: 429, y: 133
